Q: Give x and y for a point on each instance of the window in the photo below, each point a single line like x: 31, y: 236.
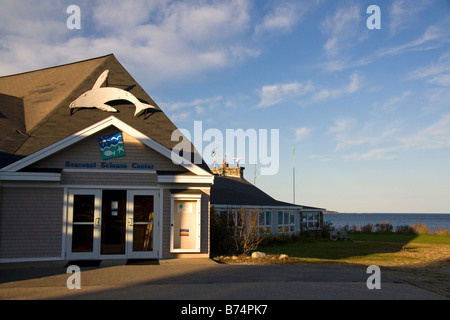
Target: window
x: 310, y: 220
x: 286, y: 221
x: 265, y: 222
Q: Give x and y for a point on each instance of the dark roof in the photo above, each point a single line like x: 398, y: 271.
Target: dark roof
x: 234, y: 191
x: 238, y: 191
x: 34, y: 107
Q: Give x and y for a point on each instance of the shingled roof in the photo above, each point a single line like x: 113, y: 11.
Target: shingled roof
x: 34, y: 107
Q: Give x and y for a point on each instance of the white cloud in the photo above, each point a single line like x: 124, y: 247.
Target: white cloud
x: 431, y: 39
x: 374, y: 154
x: 302, y: 133
x: 387, y: 143
x: 192, y: 110
x: 274, y: 94
x: 435, y: 136
x: 435, y: 36
x: 341, y: 29
x: 435, y: 73
x: 180, y: 117
x: 156, y: 40
x: 199, y: 104
x: 392, y: 104
x: 342, y: 125
x: 348, y: 134
x: 283, y: 17
x: 355, y: 83
x: 404, y: 13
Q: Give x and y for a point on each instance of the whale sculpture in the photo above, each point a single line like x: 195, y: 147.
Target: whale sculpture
x: 98, y: 96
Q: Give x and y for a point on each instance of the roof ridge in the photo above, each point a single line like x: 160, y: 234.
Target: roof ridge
x: 57, y: 66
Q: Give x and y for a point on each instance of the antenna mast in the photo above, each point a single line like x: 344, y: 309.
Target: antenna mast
x: 293, y: 177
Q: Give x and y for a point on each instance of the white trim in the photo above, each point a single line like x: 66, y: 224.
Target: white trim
x: 120, y: 171
x: 187, y: 197
x: 98, y: 194
x: 30, y: 176
x: 186, y: 179
x: 130, y: 253
x: 96, y: 223
x: 65, y: 218
x: 225, y: 206
x: 20, y: 260
x: 110, y: 187
x: 110, y: 121
x: 300, y: 208
x: 161, y: 223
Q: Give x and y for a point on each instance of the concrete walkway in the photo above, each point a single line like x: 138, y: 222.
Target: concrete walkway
x: 200, y: 279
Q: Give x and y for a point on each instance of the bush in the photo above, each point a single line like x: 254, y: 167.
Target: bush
x: 221, y: 235
x: 383, y: 227
x: 405, y: 229
x: 327, y: 227
x: 440, y: 231
x: 420, y: 228
x: 367, y: 228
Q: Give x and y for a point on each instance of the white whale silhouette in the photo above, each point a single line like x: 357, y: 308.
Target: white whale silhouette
x: 97, y: 97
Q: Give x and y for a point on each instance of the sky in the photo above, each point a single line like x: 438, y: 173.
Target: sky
x: 366, y: 109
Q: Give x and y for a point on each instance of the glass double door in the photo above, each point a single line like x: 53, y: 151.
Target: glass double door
x: 111, y: 223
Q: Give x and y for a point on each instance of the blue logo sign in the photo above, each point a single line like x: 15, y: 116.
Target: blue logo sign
x: 112, y: 146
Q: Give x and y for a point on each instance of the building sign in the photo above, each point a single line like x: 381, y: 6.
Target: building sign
x: 108, y: 165
x: 112, y: 146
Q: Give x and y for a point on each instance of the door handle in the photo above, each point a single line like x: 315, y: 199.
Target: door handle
x: 130, y: 222
x: 97, y: 221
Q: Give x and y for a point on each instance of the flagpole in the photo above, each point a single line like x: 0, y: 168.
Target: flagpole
x: 293, y: 177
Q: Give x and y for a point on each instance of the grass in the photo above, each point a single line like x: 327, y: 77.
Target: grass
x: 375, y: 248
x: 422, y: 260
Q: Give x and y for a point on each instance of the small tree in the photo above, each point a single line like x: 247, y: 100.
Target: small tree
x: 246, y: 230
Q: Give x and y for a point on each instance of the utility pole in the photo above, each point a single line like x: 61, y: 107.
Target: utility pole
x: 255, y: 175
x: 293, y: 176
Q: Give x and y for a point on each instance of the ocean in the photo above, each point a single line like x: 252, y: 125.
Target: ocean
x: 395, y: 219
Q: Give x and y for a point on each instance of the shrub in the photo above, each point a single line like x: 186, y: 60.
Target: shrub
x: 367, y: 228
x: 383, y: 227
x: 245, y: 230
x: 440, y: 231
x: 327, y: 227
x: 221, y: 236
x: 405, y: 229
x: 351, y: 229
x: 420, y: 228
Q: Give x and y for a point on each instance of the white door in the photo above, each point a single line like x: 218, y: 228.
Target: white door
x: 186, y: 217
x: 142, y: 224
x: 84, y: 224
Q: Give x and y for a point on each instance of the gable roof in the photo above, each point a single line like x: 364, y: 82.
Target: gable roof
x: 233, y: 191
x: 35, y: 113
x: 83, y: 134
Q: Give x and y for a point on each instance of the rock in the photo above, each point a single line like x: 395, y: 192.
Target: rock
x: 283, y: 256
x: 234, y: 257
x: 258, y: 254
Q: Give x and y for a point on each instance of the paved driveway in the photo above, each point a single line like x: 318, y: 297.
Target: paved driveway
x: 200, y: 280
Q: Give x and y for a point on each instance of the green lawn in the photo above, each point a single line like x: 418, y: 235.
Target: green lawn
x: 363, y: 248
